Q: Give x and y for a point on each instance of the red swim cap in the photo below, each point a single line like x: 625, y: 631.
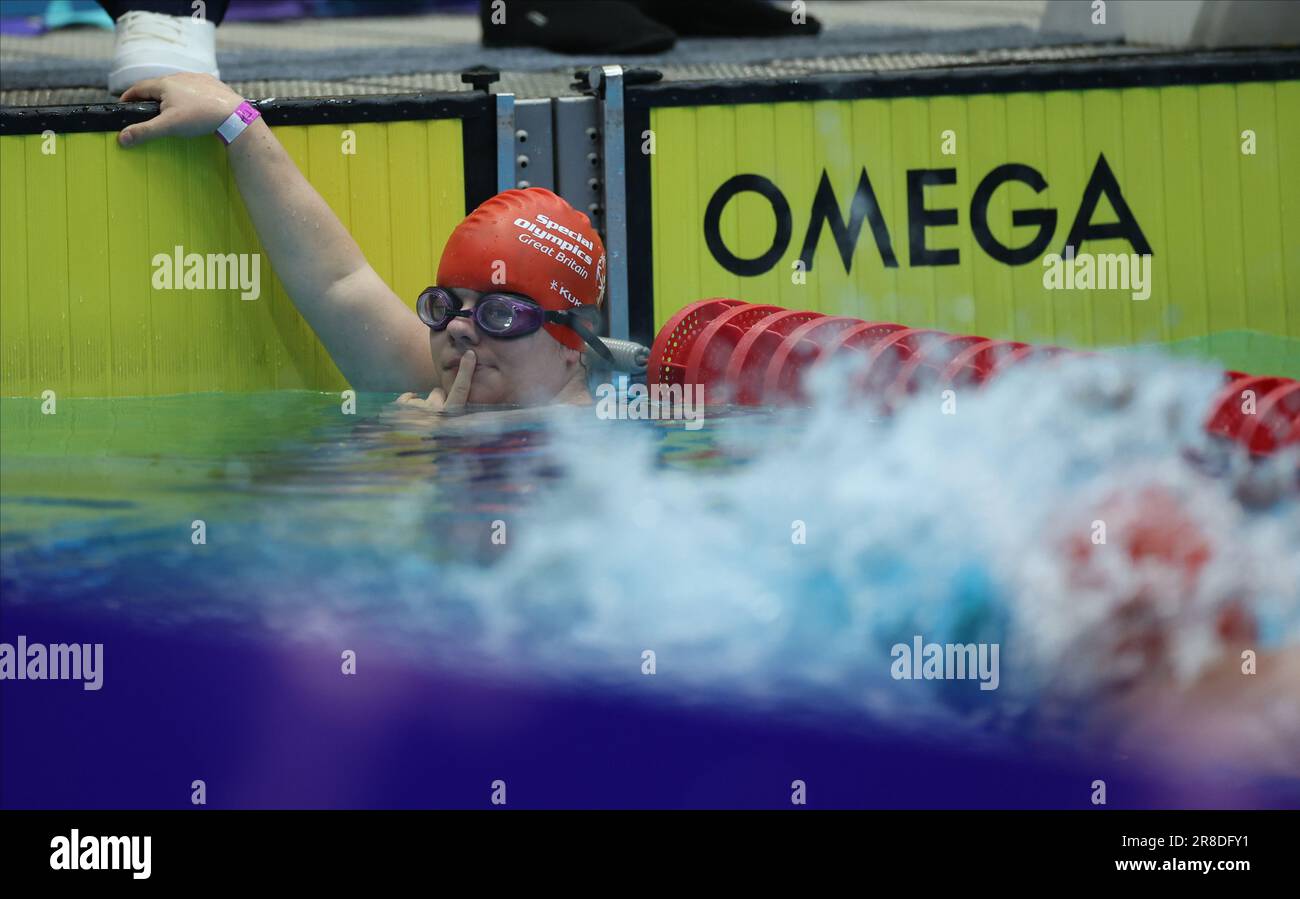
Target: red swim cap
x: 530, y: 242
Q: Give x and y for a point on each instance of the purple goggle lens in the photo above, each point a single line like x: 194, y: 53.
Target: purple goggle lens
x: 507, y: 315
x: 498, y: 314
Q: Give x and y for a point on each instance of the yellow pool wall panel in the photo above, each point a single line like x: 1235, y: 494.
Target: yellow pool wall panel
x: 81, y: 226
x: 1223, y: 224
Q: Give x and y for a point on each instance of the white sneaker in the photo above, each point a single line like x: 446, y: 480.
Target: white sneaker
x: 150, y: 45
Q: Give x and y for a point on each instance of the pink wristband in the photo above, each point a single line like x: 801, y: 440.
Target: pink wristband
x: 240, y: 119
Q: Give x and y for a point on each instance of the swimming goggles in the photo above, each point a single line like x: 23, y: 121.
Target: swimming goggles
x: 508, y: 315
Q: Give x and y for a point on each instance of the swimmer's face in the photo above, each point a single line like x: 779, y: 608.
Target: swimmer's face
x: 519, y: 371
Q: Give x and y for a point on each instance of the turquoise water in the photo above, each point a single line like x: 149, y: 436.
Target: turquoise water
x: 770, y: 559
x: 307, y: 513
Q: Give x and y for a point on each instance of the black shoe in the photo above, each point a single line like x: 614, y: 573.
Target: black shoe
x: 574, y: 26
x: 729, y: 18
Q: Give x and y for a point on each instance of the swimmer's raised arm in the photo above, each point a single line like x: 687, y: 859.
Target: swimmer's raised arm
x: 377, y: 342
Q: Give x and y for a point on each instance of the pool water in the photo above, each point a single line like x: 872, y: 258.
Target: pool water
x: 505, y: 583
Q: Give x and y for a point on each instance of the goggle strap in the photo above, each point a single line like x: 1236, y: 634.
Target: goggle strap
x: 576, y: 323
x: 571, y: 318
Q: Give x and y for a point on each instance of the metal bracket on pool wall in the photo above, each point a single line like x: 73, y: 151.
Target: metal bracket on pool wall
x: 534, y: 146
x: 505, y: 141
x: 574, y: 146
x: 607, y: 82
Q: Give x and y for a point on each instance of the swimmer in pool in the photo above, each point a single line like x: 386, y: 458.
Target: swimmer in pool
x: 518, y: 290
x: 1172, y: 583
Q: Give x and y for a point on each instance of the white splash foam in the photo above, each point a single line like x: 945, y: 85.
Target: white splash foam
x: 949, y: 526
